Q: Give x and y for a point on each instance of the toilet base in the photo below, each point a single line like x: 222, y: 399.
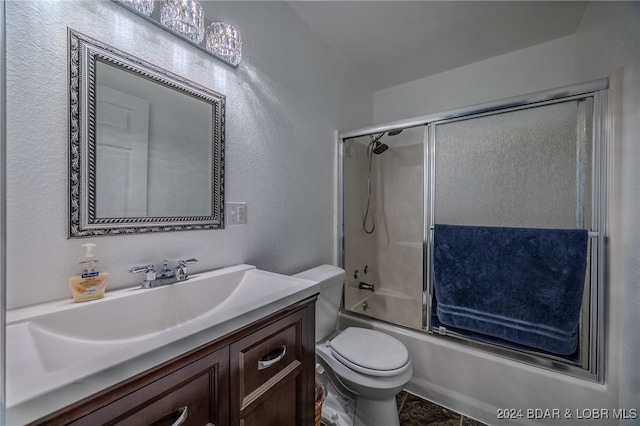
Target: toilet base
x: 378, y: 412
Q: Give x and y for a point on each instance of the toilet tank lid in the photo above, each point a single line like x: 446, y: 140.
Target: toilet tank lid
x: 324, y: 274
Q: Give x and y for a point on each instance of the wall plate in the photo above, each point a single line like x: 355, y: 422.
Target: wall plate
x: 236, y: 213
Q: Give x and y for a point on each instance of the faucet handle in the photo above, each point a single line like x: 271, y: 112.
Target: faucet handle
x: 181, y: 269
x: 143, y: 268
x: 150, y: 270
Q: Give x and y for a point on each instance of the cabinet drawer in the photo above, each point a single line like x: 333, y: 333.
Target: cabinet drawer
x: 268, y: 356
x: 192, y: 393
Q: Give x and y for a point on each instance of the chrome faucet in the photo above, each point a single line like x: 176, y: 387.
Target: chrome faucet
x: 366, y: 286
x: 166, y: 271
x: 167, y: 275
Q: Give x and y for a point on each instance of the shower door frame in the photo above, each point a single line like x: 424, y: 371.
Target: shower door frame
x: 593, y: 370
x: 586, y: 368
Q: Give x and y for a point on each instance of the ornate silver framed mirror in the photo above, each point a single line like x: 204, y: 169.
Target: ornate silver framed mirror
x: 146, y: 146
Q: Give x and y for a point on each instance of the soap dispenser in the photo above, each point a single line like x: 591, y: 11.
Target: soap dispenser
x: 89, y: 278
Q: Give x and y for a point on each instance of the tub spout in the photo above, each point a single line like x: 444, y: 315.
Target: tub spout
x: 366, y: 286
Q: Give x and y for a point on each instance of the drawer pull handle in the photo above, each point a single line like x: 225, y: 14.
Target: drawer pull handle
x: 272, y: 357
x: 184, y: 412
x: 175, y: 418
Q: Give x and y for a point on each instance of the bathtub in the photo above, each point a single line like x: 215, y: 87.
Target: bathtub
x: 390, y: 306
x: 484, y: 386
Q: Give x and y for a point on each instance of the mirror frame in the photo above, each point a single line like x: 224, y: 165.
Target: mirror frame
x: 84, y: 52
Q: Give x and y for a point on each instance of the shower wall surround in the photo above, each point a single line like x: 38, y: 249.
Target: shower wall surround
x: 279, y: 145
x: 391, y: 257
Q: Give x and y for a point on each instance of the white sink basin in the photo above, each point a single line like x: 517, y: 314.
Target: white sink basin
x: 51, y: 345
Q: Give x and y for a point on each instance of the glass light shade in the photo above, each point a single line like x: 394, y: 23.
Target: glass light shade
x: 185, y: 17
x: 225, y: 41
x: 143, y: 6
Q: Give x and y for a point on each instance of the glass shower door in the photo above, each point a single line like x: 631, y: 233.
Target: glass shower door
x: 524, y: 164
x: 530, y: 167
x: 384, y: 226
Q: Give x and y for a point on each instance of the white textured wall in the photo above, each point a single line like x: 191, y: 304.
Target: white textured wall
x: 2, y: 213
x: 609, y: 39
x: 475, y: 383
x: 535, y: 68
x: 283, y: 103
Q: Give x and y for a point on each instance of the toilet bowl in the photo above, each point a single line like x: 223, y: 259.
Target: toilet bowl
x: 372, y: 365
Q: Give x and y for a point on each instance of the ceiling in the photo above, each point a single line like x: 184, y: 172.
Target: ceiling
x: 393, y: 42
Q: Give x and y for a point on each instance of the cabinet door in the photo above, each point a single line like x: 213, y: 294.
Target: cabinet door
x: 270, y: 374
x: 194, y: 394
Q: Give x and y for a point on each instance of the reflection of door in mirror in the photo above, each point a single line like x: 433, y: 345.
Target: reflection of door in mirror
x: 122, y: 136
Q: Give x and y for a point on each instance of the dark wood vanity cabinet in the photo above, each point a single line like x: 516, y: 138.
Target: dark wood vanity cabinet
x: 262, y: 374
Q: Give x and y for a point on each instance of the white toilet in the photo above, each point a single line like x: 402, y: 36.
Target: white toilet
x: 372, y: 365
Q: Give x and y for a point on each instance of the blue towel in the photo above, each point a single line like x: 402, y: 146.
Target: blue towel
x: 520, y: 285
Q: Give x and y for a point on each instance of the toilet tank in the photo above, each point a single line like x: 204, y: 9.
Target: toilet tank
x: 331, y: 279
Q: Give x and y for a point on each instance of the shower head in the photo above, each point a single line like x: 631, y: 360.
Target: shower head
x: 375, y: 146
x: 380, y: 147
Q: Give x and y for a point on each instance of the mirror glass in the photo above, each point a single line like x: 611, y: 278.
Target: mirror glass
x: 147, y: 146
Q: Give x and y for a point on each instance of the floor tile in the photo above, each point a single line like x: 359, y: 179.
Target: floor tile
x: 415, y: 411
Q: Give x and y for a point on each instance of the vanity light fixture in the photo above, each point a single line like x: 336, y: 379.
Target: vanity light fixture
x: 225, y: 41
x: 143, y: 6
x: 185, y: 17
x: 186, y: 20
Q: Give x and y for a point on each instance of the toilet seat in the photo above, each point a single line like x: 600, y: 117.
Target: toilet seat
x: 370, y: 352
